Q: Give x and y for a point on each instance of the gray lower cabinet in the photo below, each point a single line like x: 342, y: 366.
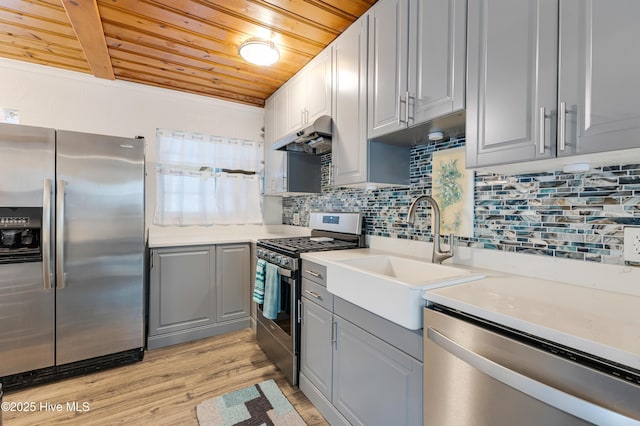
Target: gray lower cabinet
x: 374, y: 383
x: 232, y: 282
x: 197, y: 292
x: 356, y: 367
x: 315, y: 346
x: 541, y: 82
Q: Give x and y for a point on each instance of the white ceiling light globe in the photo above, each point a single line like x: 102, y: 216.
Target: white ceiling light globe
x: 259, y: 52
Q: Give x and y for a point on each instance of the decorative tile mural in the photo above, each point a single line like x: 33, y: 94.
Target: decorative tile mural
x: 453, y: 188
x: 570, y: 215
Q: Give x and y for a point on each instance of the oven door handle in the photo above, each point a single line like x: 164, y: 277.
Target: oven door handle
x: 285, y: 272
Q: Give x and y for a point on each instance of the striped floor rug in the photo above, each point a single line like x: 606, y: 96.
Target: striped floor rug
x: 261, y: 404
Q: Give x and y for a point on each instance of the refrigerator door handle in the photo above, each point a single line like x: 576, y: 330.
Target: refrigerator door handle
x: 549, y: 395
x: 46, y: 234
x: 60, y: 274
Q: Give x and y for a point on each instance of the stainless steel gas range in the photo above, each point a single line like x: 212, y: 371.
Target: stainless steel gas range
x: 279, y: 338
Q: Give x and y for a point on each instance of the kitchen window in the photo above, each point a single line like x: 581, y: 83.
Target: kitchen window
x: 207, y: 180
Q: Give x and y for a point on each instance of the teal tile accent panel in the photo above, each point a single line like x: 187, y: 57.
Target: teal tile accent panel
x: 569, y: 215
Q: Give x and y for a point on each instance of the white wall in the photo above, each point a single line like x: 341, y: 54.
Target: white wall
x: 67, y: 100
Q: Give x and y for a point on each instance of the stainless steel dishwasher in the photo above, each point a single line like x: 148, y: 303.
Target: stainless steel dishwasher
x: 480, y: 373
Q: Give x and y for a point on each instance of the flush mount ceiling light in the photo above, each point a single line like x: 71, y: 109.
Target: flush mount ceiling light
x: 259, y: 52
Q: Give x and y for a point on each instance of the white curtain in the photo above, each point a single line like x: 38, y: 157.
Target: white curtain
x: 191, y: 187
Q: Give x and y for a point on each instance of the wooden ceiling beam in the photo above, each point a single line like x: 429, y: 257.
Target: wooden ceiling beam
x: 85, y: 20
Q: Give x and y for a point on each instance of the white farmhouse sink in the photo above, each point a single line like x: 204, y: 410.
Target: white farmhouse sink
x: 391, y: 286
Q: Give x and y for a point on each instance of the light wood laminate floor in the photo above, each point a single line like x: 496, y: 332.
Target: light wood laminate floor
x: 163, y: 389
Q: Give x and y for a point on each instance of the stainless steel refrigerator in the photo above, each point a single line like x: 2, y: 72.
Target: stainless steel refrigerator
x: 71, y: 252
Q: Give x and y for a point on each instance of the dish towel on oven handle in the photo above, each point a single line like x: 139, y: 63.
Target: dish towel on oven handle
x: 271, y: 305
x: 258, y: 288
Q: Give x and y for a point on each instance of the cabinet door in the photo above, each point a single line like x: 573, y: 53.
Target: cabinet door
x: 315, y: 346
x: 274, y: 161
x: 388, y: 49
x: 182, y: 289
x: 318, y: 86
x: 512, y: 54
x: 296, y: 95
x: 373, y: 382
x: 349, y: 144
x: 437, y: 58
x: 599, y: 69
x: 232, y: 281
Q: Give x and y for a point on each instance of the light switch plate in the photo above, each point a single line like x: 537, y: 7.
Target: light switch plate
x: 296, y: 218
x: 632, y: 244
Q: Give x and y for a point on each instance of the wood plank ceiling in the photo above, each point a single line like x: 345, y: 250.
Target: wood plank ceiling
x: 185, y: 45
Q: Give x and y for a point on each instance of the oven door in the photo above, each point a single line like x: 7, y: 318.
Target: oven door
x: 279, y: 338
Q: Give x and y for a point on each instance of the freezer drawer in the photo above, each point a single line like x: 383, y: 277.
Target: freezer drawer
x: 476, y: 375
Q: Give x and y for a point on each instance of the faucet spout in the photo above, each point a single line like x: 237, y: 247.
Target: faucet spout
x: 438, y: 255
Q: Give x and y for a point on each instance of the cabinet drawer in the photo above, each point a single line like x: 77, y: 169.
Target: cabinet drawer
x: 314, y: 272
x: 317, y: 293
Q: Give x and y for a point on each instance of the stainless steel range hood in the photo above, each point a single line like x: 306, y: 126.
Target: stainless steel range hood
x: 314, y: 139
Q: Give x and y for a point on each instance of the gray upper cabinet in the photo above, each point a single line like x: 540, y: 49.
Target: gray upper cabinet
x: 232, y: 281
x: 296, y: 96
x: 416, y: 62
x: 549, y: 78
x: 319, y: 79
x: 356, y: 160
x: 511, y: 81
x: 275, y: 162
x: 388, y: 50
x: 437, y: 58
x: 349, y: 143
x: 308, y: 93
x: 599, y: 69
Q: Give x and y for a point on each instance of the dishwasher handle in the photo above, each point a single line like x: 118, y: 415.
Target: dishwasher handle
x: 549, y: 395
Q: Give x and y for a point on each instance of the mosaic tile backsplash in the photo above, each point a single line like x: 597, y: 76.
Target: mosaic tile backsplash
x: 570, y: 215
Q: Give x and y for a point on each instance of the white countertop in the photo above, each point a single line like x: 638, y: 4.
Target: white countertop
x: 230, y: 234
x: 600, y: 322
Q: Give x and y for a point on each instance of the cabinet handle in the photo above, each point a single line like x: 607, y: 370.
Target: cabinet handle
x: 306, y: 116
x: 408, y: 97
x: 313, y: 274
x: 313, y: 294
x: 562, y: 123
x: 542, y: 118
x: 61, y: 276
x: 400, y: 102
x: 300, y: 307
x: 46, y: 234
x: 334, y: 333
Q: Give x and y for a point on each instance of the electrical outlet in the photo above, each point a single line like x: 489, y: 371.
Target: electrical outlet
x: 296, y: 218
x: 632, y: 244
